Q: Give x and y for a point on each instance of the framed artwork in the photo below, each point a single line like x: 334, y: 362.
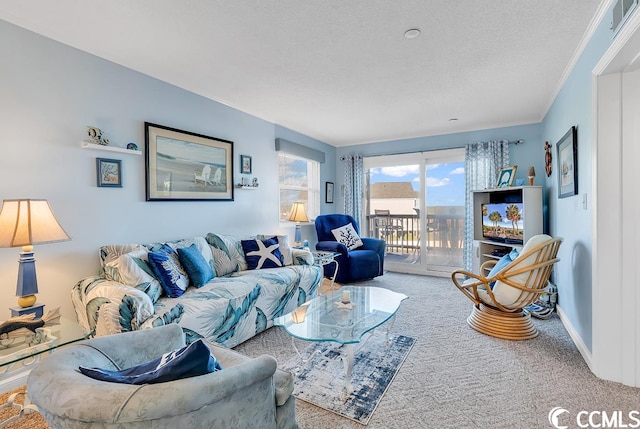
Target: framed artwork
x: 328, y: 192
x: 506, y: 176
x: 245, y: 164
x: 568, y: 164
x: 109, y: 172
x: 181, y: 165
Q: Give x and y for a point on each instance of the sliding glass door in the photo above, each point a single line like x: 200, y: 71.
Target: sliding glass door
x: 415, y: 202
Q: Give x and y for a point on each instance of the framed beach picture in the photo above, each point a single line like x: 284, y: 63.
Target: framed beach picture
x: 568, y: 164
x: 109, y: 172
x: 181, y: 165
x: 506, y: 176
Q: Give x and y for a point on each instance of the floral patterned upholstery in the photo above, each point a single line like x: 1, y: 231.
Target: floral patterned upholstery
x: 231, y: 308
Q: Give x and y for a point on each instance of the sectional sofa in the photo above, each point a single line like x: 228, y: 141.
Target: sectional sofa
x: 134, y: 291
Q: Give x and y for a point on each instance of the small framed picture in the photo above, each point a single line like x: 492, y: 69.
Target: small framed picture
x: 109, y: 172
x: 506, y: 176
x: 328, y: 193
x: 568, y: 164
x: 245, y: 164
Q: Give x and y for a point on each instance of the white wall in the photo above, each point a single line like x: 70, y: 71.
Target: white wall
x: 49, y: 93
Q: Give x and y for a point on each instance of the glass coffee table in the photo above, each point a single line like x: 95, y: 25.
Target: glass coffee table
x: 343, y: 316
x: 21, y: 354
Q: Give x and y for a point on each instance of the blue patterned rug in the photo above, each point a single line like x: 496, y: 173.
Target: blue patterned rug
x: 319, y: 374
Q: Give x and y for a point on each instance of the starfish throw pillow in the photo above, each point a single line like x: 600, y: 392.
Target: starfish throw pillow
x: 262, y: 253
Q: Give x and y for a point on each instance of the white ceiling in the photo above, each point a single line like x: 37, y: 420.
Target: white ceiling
x: 339, y: 71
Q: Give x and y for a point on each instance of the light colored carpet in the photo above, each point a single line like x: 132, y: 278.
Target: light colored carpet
x: 319, y: 374
x: 455, y: 377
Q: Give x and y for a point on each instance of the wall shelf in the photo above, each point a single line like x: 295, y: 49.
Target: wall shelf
x: 89, y: 145
x: 247, y: 187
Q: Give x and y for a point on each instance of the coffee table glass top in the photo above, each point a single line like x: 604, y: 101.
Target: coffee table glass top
x: 325, y: 318
x: 47, y: 339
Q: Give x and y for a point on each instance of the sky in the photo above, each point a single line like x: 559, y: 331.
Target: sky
x: 445, y: 182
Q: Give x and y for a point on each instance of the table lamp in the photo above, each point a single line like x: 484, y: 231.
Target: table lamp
x: 298, y: 214
x: 23, y: 223
x: 532, y: 174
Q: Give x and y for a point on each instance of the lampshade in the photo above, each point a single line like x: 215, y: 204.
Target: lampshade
x: 25, y: 223
x: 532, y: 172
x: 298, y: 213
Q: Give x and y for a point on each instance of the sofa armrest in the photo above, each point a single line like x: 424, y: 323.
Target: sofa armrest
x: 332, y: 246
x: 107, y: 307
x: 301, y: 257
x: 374, y: 244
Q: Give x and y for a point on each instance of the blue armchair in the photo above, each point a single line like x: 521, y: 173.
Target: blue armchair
x: 363, y: 263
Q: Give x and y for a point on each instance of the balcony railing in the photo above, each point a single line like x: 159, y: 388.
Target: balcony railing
x: 444, y: 232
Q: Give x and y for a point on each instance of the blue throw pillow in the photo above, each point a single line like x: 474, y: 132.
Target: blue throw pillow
x: 195, y: 265
x: 262, y: 253
x: 502, y: 263
x: 166, y: 266
x: 189, y: 361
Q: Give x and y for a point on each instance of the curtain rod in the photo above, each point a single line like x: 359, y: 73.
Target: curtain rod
x: 515, y: 142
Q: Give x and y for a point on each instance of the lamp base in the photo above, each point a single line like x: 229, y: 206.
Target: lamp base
x: 26, y: 301
x: 38, y: 310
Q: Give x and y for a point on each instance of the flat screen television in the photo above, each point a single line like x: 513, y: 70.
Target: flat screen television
x: 503, y: 222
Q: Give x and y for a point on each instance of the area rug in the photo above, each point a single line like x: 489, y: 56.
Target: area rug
x: 319, y: 375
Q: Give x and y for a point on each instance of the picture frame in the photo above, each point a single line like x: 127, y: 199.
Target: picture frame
x: 506, y: 175
x: 185, y: 166
x: 567, y: 154
x: 245, y: 164
x: 328, y: 192
x: 109, y: 173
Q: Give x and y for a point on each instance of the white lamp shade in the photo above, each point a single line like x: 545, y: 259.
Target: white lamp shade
x: 298, y: 213
x: 26, y: 222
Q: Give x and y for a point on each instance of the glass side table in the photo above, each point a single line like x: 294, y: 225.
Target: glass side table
x: 320, y: 259
x: 19, y: 355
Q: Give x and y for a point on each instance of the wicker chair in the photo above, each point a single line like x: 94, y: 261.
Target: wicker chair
x: 499, y: 311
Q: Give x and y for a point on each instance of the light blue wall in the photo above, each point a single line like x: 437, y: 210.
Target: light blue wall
x: 49, y: 93
x: 570, y: 220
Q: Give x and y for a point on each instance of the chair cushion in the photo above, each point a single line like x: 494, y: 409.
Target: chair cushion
x: 195, y: 265
x: 348, y: 236
x: 507, y: 295
x: 189, y: 361
x: 262, y: 253
x: 502, y: 264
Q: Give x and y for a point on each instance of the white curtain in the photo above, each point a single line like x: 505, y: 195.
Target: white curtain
x: 353, y: 173
x: 483, y: 161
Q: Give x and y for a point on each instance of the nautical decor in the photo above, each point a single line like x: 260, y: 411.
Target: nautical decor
x: 96, y: 136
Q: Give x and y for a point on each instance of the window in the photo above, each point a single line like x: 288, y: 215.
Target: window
x: 299, y: 182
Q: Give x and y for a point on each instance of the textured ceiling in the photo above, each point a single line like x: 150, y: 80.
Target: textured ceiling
x: 339, y: 71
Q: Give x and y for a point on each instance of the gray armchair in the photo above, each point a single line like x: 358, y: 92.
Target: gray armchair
x: 246, y: 393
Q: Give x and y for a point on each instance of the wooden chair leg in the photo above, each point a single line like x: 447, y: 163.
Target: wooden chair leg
x: 499, y: 324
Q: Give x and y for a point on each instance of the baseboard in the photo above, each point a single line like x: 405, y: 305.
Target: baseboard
x: 14, y: 381
x: 577, y: 340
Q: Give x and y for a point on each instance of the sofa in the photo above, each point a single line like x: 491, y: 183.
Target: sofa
x: 236, y: 304
x: 245, y: 393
